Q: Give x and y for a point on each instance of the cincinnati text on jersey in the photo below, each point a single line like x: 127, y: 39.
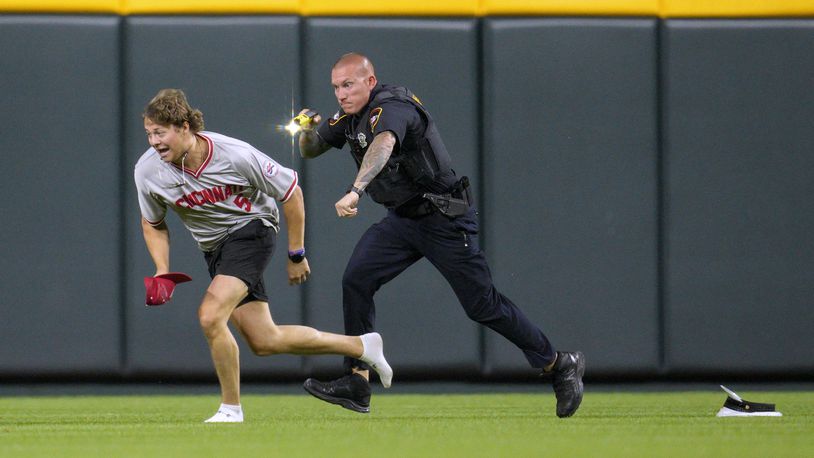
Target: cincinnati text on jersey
x: 214, y: 195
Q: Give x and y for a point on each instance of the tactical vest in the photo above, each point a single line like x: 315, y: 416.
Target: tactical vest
x: 408, y: 173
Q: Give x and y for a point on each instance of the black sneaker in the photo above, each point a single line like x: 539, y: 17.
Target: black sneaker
x: 567, y: 374
x: 351, y: 392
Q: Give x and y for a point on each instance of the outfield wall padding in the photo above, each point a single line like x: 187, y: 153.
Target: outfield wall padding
x: 738, y: 181
x: 61, y: 239
x: 643, y: 184
x: 570, y: 156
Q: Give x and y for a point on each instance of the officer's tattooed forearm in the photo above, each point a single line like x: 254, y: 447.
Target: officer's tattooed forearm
x: 375, y: 158
x: 312, y: 145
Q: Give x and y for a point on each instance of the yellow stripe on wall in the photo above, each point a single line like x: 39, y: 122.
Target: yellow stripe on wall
x: 210, y: 7
x: 429, y: 8
x: 63, y: 6
x: 736, y: 8
x: 571, y: 7
x: 391, y: 8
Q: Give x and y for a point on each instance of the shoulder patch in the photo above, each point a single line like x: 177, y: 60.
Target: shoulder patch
x: 375, y: 114
x: 336, y: 118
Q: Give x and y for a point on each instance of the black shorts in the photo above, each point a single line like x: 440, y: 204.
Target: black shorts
x: 245, y: 254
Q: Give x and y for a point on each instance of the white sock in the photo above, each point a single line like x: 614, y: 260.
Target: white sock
x: 231, y: 408
x: 373, y: 355
x: 227, y: 413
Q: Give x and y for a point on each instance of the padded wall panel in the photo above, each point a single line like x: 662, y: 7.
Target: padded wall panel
x: 60, y: 264
x: 739, y: 176
x: 570, y: 170
x: 241, y: 72
x: 423, y: 325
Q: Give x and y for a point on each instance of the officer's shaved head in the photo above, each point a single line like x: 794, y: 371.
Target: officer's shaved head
x: 353, y: 80
x: 363, y: 65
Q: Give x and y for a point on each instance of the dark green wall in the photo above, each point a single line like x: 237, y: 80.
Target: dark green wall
x: 60, y: 267
x: 570, y: 166
x: 644, y: 187
x: 738, y: 183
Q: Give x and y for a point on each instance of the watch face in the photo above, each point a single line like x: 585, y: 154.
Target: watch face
x: 297, y: 258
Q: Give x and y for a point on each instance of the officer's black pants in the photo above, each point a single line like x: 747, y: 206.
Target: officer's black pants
x: 390, y: 246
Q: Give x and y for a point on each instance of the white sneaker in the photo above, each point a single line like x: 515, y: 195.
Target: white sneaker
x: 224, y: 416
x: 373, y: 355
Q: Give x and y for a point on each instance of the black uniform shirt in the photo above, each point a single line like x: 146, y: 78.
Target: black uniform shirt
x: 408, y: 173
x: 399, y: 117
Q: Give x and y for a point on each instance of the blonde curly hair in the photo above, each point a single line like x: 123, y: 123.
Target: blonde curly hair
x: 170, y: 107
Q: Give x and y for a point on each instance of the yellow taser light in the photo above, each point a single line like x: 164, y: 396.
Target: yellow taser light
x: 300, y: 122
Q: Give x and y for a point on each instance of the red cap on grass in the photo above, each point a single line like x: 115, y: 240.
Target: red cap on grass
x: 159, y: 289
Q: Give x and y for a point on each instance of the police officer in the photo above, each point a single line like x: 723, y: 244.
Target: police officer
x: 404, y: 166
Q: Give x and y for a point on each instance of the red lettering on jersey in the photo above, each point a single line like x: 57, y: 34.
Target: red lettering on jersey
x: 197, y: 197
x: 243, y: 203
x: 189, y: 201
x: 217, y: 192
x: 208, y: 196
x: 213, y: 196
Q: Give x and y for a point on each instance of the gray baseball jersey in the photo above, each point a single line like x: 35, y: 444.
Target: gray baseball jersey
x: 235, y: 184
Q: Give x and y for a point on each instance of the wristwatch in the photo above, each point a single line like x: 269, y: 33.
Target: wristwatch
x: 297, y: 256
x: 358, y: 191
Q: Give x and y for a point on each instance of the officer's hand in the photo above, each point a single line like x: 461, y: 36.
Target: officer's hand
x: 308, y: 119
x: 346, y: 207
x: 298, y: 272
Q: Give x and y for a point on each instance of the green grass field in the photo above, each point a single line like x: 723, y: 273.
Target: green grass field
x: 404, y: 425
